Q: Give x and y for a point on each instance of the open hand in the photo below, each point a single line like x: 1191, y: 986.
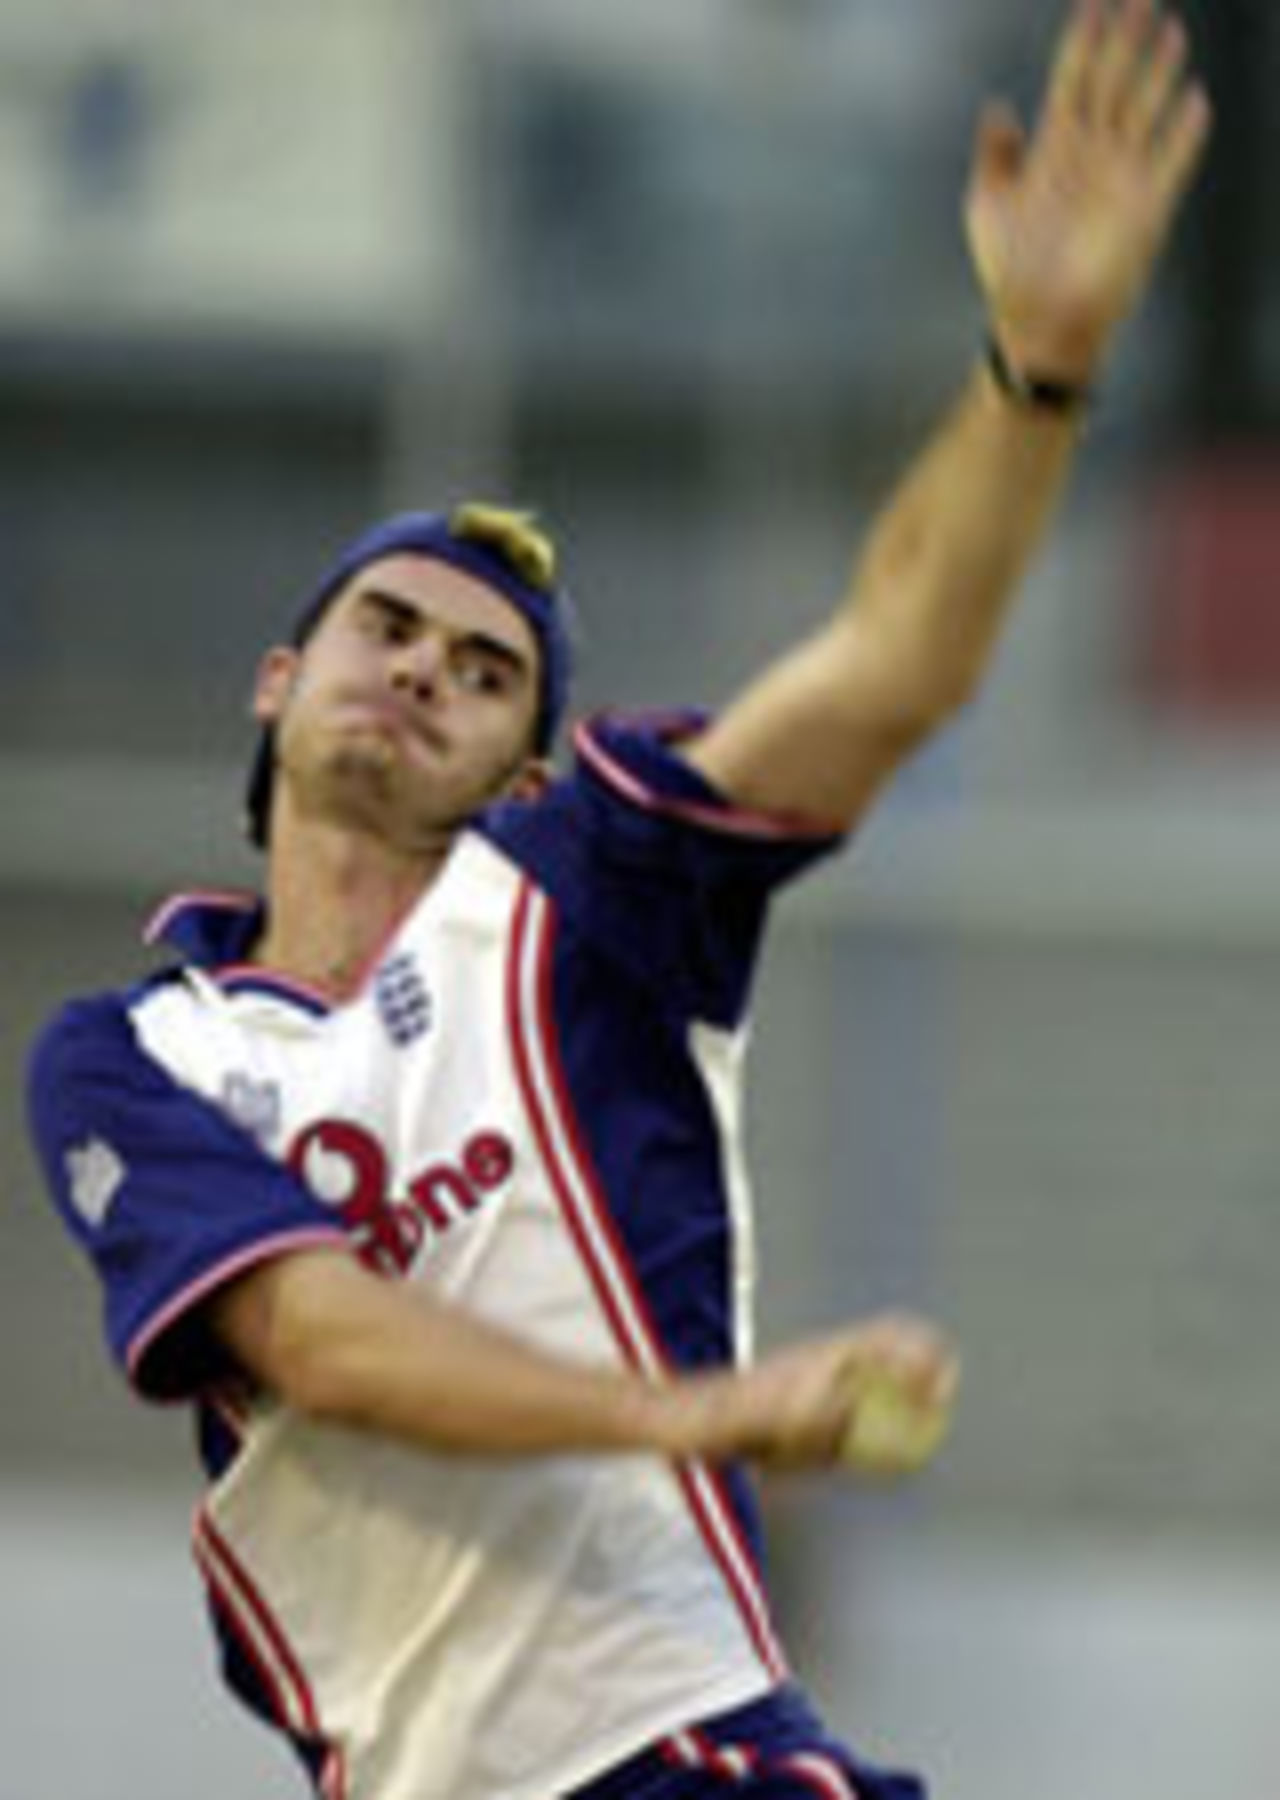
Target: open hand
x: 1065, y: 226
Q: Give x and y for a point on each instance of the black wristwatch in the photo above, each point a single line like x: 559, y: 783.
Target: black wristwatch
x: 1036, y: 393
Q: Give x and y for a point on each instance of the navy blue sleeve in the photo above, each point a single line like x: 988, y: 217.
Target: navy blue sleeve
x: 166, y: 1195
x: 664, y: 876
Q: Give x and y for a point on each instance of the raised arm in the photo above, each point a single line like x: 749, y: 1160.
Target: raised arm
x: 345, y: 1346
x: 1064, y: 230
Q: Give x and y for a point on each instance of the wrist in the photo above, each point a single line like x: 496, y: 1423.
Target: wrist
x: 681, y: 1417
x: 1033, y: 387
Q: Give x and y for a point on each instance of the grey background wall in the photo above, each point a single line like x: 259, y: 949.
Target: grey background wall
x: 692, y: 281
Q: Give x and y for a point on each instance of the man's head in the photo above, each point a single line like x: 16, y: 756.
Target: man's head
x: 483, y: 562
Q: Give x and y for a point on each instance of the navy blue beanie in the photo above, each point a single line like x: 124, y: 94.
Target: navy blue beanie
x: 505, y: 551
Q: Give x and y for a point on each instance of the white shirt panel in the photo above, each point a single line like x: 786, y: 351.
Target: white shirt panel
x: 470, y: 1629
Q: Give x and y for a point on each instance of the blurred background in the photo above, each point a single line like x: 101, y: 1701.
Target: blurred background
x: 689, y: 277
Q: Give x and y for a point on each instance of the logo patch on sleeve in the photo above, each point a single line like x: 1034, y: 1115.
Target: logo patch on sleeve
x: 252, y: 1105
x: 95, y: 1175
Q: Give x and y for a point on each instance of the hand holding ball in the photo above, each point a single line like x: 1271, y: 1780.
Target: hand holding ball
x: 896, y: 1425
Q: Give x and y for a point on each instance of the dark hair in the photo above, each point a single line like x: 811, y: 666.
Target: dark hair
x: 503, y: 548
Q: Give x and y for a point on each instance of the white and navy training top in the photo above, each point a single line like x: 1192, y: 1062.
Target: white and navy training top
x: 531, y: 1106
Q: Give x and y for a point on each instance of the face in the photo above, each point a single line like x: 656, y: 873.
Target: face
x: 412, y: 705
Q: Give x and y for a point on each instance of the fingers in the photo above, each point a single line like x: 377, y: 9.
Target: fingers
x: 910, y: 1352
x: 1121, y: 66
x: 1069, y: 77
x: 1155, y: 83
x: 1181, y: 142
x: 1154, y: 106
x: 1000, y: 147
x: 1122, y: 63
